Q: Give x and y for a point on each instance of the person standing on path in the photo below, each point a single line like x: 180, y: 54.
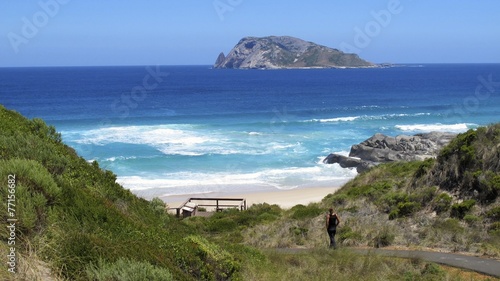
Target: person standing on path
x: 332, y: 221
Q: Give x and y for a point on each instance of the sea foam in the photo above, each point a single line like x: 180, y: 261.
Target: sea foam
x: 368, y: 117
x: 202, y: 182
x: 452, y: 128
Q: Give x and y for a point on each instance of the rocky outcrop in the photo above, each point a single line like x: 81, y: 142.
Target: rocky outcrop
x: 220, y: 59
x: 274, y: 52
x: 381, y: 148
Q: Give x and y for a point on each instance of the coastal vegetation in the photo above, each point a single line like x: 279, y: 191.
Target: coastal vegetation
x: 74, y: 222
x: 450, y: 203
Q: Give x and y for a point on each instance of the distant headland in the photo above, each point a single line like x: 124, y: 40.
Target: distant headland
x: 282, y: 52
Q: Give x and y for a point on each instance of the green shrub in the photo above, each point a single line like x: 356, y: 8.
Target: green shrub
x: 224, y: 224
x: 394, y: 214
x: 432, y: 271
x: 257, y: 209
x: 35, y: 192
x: 424, y: 167
x: 31, y: 208
x: 159, y: 207
x: 219, y: 264
x: 442, y: 203
x: 300, y: 212
x: 460, y: 209
x: 384, y: 238
x: 449, y: 225
x: 424, y: 195
x: 460, y: 145
x: 346, y: 233
x: 298, y: 231
x: 299, y: 234
x: 127, y: 270
x: 394, y: 198
x: 27, y: 146
x: 41, y: 129
x: 408, y: 208
x: 494, y: 213
x: 489, y: 185
x: 266, y: 217
x: 33, y: 175
x: 234, y: 219
x: 337, y: 199
x: 373, y: 191
x: 471, y: 219
x: 258, y: 213
x: 404, y: 209
x: 494, y: 227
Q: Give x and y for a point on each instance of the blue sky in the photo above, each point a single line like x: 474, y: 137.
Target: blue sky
x: 186, y: 32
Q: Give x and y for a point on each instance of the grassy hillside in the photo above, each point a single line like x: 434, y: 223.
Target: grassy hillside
x: 450, y: 203
x: 74, y: 222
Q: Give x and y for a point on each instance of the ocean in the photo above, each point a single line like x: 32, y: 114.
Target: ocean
x: 172, y: 130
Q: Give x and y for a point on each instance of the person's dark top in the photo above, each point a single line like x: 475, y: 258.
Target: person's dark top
x: 333, y: 221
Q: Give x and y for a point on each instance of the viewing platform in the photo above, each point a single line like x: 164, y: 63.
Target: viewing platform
x: 193, y: 206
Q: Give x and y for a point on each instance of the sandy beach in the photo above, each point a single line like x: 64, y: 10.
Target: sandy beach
x: 284, y: 198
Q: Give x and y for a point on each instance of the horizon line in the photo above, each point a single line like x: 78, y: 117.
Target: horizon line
x: 211, y: 65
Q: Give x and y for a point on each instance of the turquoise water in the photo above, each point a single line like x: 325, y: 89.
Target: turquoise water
x: 167, y: 130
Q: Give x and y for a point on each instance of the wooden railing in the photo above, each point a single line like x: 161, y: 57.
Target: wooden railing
x: 215, y: 204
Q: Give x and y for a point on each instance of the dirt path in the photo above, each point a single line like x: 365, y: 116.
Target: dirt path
x: 482, y: 265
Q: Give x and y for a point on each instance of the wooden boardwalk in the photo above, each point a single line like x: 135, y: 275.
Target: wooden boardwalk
x: 191, y: 206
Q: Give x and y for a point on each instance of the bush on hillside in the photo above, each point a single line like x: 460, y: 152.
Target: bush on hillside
x: 300, y: 212
x: 218, y: 264
x: 34, y: 192
x: 404, y: 209
x: 348, y: 236
x: 442, y: 203
x: 494, y: 213
x: 127, y: 270
x: 449, y: 225
x: 234, y: 219
x: 372, y: 191
x: 470, y: 162
x: 384, y: 238
x: 459, y: 210
x: 335, y: 199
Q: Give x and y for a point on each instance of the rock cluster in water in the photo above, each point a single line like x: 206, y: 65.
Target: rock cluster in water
x: 381, y: 149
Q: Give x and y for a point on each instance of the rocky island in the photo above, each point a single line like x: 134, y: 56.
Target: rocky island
x: 381, y: 149
x: 282, y: 52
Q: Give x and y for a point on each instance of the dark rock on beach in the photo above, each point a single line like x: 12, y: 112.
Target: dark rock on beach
x: 381, y: 148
